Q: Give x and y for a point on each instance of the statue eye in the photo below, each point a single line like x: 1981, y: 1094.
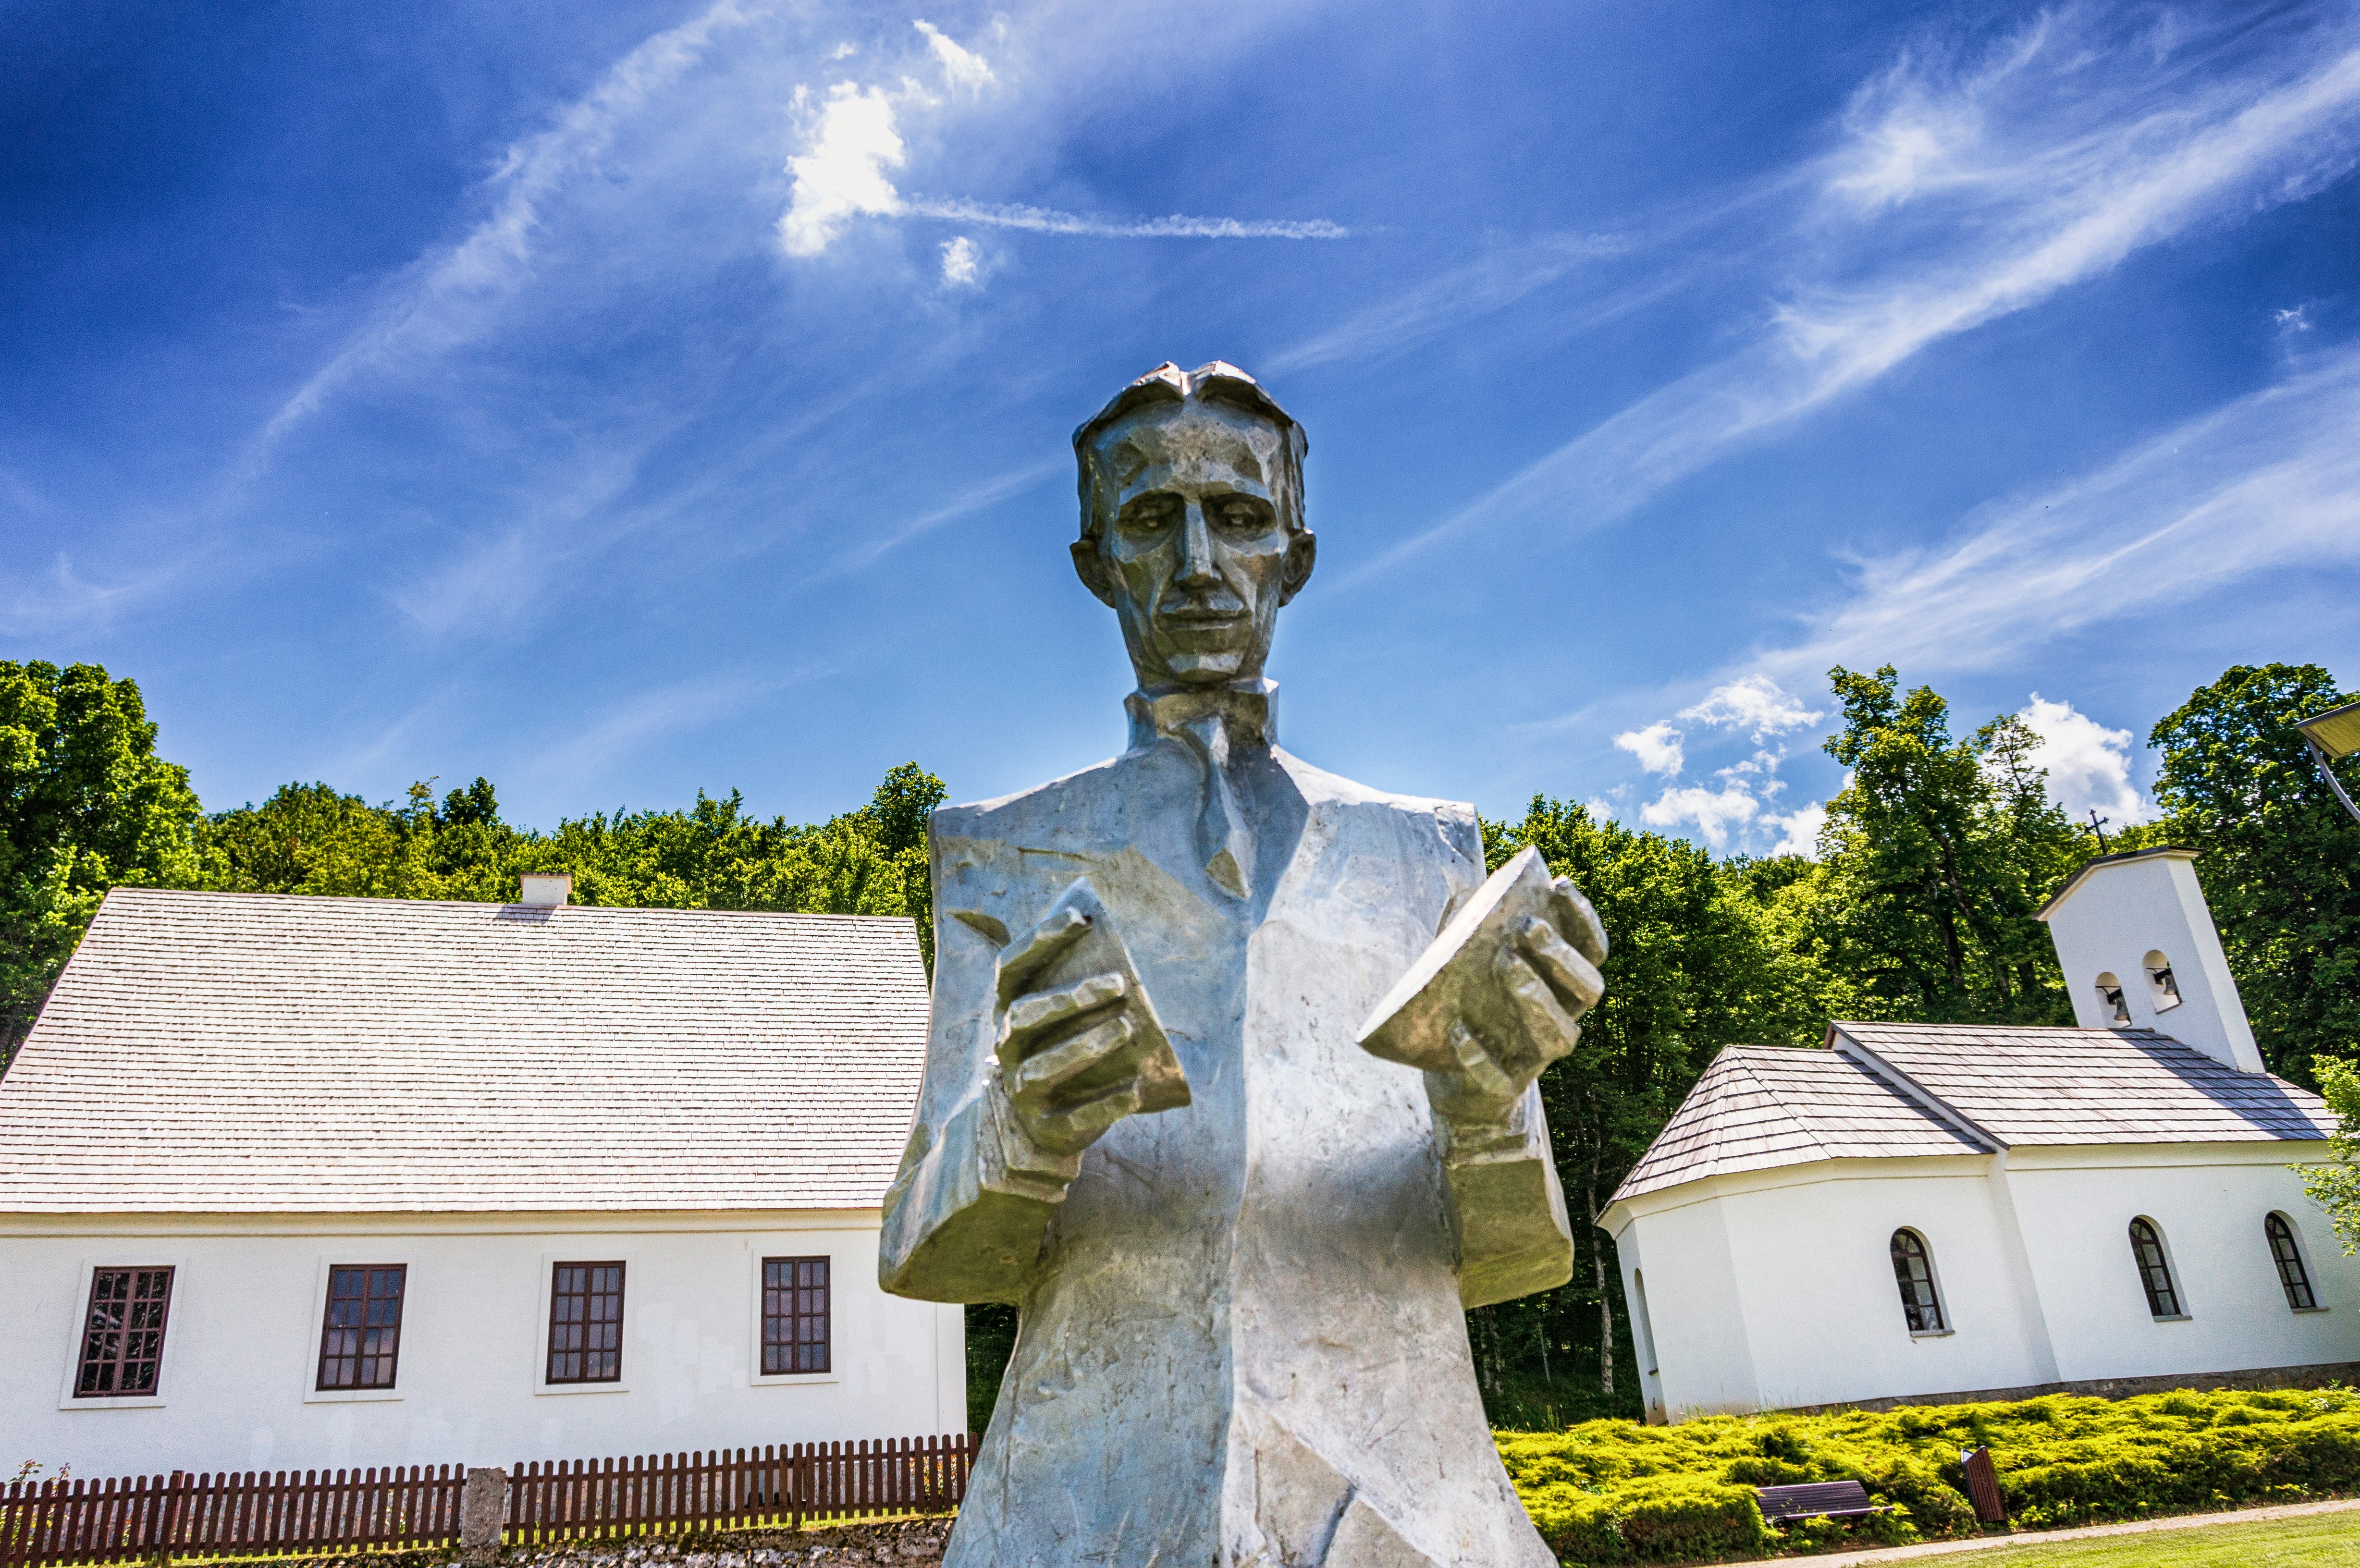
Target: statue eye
x: 1150, y: 513
x: 1239, y: 513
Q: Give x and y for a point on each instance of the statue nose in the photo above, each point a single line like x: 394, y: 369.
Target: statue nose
x: 1196, y: 549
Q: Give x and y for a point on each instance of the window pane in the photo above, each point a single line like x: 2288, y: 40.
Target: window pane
x: 2154, y: 1271
x: 2291, y: 1273
x: 794, y: 1315
x: 1915, y: 1275
x: 123, y: 1337
x: 586, y: 1323
x: 360, y: 1339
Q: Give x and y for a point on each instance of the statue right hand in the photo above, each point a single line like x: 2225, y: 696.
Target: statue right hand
x: 1070, y: 1053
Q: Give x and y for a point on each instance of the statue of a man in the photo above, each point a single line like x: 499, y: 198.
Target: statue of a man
x: 1241, y: 1244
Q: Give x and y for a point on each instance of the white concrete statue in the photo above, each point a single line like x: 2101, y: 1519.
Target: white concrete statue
x: 1242, y: 1240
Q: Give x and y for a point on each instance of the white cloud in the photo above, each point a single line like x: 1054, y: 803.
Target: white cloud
x: 2296, y: 320
x: 1657, y: 746
x: 853, y: 143
x: 1753, y: 702
x: 961, y: 265
x: 1048, y: 221
x: 1600, y: 808
x: 961, y: 68
x: 844, y: 50
x: 1798, y: 830
x: 1953, y: 200
x: 2089, y: 765
x: 2269, y: 481
x: 1714, y: 812
x: 440, y: 300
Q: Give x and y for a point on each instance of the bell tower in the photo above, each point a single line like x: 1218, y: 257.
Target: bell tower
x: 2139, y: 951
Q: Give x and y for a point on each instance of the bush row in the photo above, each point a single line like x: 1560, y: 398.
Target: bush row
x: 1616, y: 1491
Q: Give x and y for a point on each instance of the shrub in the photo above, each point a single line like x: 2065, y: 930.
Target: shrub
x: 1616, y: 1491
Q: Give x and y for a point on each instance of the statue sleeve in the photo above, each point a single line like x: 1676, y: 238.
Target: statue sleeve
x: 965, y: 1216
x: 1507, y: 1211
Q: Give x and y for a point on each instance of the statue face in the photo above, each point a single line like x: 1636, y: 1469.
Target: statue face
x: 1191, y: 552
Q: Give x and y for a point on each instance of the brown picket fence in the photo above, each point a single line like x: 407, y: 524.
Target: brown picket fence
x: 787, y: 1484
x: 256, y: 1514
x: 250, y: 1514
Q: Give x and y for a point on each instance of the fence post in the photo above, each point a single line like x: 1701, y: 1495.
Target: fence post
x: 482, y: 1512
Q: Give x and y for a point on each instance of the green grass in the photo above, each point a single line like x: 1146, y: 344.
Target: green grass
x: 2316, y: 1541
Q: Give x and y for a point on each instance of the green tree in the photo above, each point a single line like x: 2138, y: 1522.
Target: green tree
x: 2336, y: 1188
x: 85, y: 803
x: 1935, y: 856
x: 2279, y: 858
x: 1694, y: 966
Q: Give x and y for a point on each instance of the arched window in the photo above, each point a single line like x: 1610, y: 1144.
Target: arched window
x: 2291, y: 1273
x: 2155, y: 1269
x: 2115, y: 1010
x: 2163, y: 991
x: 1914, y: 1272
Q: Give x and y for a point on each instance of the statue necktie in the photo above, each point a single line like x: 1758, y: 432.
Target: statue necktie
x: 1215, y: 724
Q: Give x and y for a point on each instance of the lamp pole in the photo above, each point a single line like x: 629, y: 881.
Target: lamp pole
x: 2332, y: 735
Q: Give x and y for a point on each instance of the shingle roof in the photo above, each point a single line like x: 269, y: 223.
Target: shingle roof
x: 2029, y: 1085
x: 219, y: 1052
x: 1758, y: 1108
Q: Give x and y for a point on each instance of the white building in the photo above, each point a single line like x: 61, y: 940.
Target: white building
x: 297, y: 1182
x: 1942, y: 1212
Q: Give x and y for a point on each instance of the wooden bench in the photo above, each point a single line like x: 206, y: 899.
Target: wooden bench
x: 1835, y: 1499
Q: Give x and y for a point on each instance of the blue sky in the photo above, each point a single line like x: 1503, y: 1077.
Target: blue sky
x: 626, y: 399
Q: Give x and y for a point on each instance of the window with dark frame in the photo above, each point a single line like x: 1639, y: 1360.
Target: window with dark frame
x: 1914, y: 1272
x: 123, y: 1336
x: 794, y: 1315
x: 2291, y: 1273
x: 586, y: 1323
x: 360, y: 1336
x: 2154, y: 1270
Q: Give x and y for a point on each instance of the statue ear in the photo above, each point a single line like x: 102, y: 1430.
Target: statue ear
x: 1091, y: 568
x: 1302, y: 550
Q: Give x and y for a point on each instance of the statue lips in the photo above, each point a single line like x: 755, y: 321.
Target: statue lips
x: 1203, y: 628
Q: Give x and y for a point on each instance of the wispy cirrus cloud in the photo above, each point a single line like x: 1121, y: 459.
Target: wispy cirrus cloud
x: 1957, y: 193
x: 446, y: 297
x: 2270, y: 480
x: 853, y: 142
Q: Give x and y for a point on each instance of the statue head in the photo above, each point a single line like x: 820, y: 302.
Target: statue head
x: 1192, y: 521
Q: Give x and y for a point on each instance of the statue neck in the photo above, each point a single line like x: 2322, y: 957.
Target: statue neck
x: 1248, y: 710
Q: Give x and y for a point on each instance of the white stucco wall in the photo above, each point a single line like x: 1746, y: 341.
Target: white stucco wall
x: 1777, y: 1289
x: 2209, y: 1202
x: 243, y: 1339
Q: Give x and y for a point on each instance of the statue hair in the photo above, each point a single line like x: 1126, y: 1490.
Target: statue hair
x: 1218, y: 382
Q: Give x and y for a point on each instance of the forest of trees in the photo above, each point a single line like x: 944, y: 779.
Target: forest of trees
x: 1918, y: 905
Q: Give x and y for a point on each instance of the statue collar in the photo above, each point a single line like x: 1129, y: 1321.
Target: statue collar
x: 1248, y: 711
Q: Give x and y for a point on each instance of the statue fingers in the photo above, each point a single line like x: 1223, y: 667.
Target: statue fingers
x: 1577, y: 919
x: 1036, y: 948
x: 1573, y: 977
x: 1547, y: 1025
x: 1479, y: 1066
x: 1051, y: 1068
x: 1042, y: 1014
x: 1074, y: 1128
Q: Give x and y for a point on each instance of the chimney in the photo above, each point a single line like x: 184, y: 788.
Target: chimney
x: 2139, y: 951
x: 546, y: 889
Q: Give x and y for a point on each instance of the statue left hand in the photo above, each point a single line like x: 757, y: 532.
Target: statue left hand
x: 1548, y: 970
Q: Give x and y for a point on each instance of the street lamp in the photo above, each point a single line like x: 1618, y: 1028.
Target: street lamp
x: 2331, y: 735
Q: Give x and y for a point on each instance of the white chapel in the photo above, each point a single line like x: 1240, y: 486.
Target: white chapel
x: 1931, y: 1213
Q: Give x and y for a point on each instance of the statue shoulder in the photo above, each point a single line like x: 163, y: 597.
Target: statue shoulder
x: 1455, y: 821
x: 1028, y: 811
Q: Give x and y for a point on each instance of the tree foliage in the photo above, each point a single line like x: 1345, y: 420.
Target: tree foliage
x: 2278, y: 857
x: 1696, y: 964
x: 1935, y: 856
x: 84, y: 804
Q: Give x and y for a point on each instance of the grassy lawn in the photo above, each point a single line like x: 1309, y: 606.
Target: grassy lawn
x: 2319, y: 1541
